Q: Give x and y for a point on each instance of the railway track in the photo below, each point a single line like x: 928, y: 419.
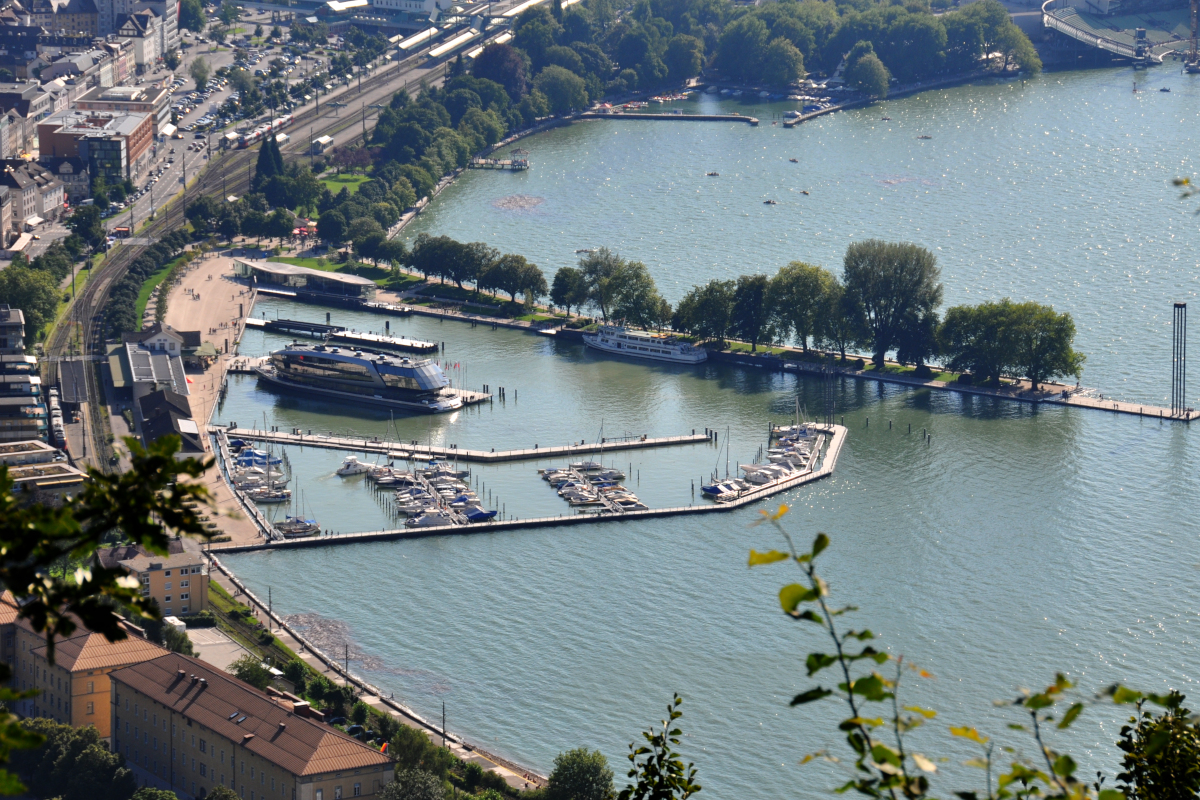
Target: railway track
x: 225, y: 173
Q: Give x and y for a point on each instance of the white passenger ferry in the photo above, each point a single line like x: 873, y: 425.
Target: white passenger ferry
x: 643, y: 344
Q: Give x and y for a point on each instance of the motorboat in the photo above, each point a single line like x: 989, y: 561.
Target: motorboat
x: 479, y: 514
x: 352, y: 466
x: 644, y: 344
x: 435, y: 519
x: 264, y: 495
x: 723, y: 487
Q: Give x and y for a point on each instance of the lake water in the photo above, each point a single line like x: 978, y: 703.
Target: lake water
x: 1019, y: 542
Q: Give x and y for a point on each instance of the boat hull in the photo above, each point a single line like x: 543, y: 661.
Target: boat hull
x: 385, y: 402
x: 673, y: 358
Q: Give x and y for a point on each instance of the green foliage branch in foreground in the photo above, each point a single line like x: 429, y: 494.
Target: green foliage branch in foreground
x: 1161, y: 752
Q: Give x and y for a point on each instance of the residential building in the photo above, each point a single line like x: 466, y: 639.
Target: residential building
x: 19, y: 46
x: 187, y: 727
x: 67, y: 16
x: 114, y: 144
x: 6, y: 216
x: 75, y: 689
x: 27, y: 103
x: 155, y: 101
x: 37, y: 194
x: 165, y: 413
x: 82, y: 67
x: 37, y: 470
x: 12, y: 330
x: 178, y: 581
x: 72, y: 173
x: 143, y: 29
x: 114, y: 12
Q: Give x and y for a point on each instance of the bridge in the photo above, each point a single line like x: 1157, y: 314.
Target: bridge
x: 1147, y: 37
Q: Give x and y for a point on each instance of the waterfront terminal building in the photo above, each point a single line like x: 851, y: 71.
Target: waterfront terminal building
x: 302, y: 283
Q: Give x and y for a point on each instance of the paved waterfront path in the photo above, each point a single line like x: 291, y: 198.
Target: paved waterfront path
x: 409, y: 450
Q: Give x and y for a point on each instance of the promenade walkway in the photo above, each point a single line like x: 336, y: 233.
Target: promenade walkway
x: 419, y: 451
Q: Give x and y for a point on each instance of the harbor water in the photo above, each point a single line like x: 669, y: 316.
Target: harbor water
x: 1014, y: 543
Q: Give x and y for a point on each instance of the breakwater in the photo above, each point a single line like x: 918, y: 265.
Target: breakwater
x: 837, y: 434
x: 685, y: 117
x: 414, y: 450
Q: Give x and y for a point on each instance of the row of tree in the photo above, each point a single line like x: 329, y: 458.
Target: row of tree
x: 885, y: 301
x: 486, y: 267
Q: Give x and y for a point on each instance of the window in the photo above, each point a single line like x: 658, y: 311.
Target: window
x: 203, y: 746
x: 92, y: 688
x: 195, y: 570
x: 91, y: 708
x: 182, y: 584
x: 167, y: 610
x: 358, y: 790
x: 203, y: 770
x: 167, y: 599
x: 183, y: 610
x: 337, y: 793
x: 183, y: 596
x: 167, y: 586
x: 320, y: 794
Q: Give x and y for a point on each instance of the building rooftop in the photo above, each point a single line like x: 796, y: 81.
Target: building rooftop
x: 20, y: 452
x: 87, y: 651
x: 123, y: 94
x: 108, y: 123
x: 266, y: 726
x: 276, y: 268
x: 11, y: 316
x: 156, y: 366
x: 112, y: 557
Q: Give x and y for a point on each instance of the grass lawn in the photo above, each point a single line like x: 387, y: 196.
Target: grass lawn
x: 149, y: 286
x: 349, y: 182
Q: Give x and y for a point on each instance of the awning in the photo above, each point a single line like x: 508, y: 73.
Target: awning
x: 167, y: 130
x: 34, y: 221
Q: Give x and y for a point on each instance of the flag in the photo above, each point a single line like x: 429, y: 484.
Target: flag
x: 383, y: 749
x: 189, y: 380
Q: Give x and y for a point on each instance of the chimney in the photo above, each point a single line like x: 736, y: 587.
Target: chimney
x: 302, y: 708
x: 282, y: 726
x: 194, y: 680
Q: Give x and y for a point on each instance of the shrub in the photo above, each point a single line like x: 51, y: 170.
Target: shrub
x: 860, y: 364
x: 202, y: 619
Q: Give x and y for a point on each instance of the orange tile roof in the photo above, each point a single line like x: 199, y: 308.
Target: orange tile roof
x: 8, y: 608
x: 245, y: 716
x: 88, y: 651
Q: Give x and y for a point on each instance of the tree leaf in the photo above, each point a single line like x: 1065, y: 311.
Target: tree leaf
x: 923, y: 763
x: 882, y: 754
x: 1111, y: 794
x: 927, y: 713
x: 793, y: 595
x: 819, y: 661
x: 810, y: 696
x: 819, y: 544
x: 1122, y: 695
x: 968, y: 733
x: 1064, y: 766
x: 1072, y: 713
x: 769, y: 557
x: 809, y: 615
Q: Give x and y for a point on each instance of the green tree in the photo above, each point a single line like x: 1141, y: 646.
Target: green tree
x: 783, y: 63
x: 601, y: 269
x: 199, y: 71
x: 413, y: 750
x: 569, y: 288
x: 741, y: 48
x: 270, y: 162
x: 1162, y: 753
x: 258, y: 31
x: 684, y: 57
x: 751, y: 315
x: 869, y: 76
x: 1042, y: 341
x: 359, y: 713
x: 177, y: 641
x: 150, y: 793
x: 250, y: 669
x: 85, y: 222
x: 413, y: 784
x: 563, y: 89
x: 72, y: 764
x: 887, y: 282
x: 228, y: 13
x: 172, y: 60
x: 636, y: 299
x: 798, y: 299
x: 191, y: 15
x: 839, y: 320
x: 979, y: 339
x: 34, y: 292
x: 580, y: 774
x: 659, y: 771
x: 220, y: 792
x: 332, y: 227
x: 707, y: 311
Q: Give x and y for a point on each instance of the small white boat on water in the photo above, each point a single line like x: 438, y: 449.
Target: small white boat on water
x: 352, y: 466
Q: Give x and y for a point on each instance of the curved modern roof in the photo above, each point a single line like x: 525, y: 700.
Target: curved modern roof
x: 276, y: 268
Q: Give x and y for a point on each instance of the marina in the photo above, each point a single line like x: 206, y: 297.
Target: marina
x: 837, y: 436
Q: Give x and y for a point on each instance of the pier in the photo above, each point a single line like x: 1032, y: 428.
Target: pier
x: 378, y: 341
x: 499, y: 163
x: 414, y: 450
x: 837, y: 435
x: 295, y: 327
x: 686, y: 117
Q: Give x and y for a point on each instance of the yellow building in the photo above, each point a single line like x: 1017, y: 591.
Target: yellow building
x: 178, y: 581
x: 185, y: 726
x: 75, y: 688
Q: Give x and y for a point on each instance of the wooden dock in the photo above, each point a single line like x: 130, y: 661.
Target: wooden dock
x: 685, y: 117
x: 418, y: 451
x: 828, y: 463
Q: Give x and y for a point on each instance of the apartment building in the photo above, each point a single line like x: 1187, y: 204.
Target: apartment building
x: 130, y: 99
x: 178, y: 581
x: 187, y: 727
x: 37, y: 194
x: 75, y: 689
x: 114, y: 144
